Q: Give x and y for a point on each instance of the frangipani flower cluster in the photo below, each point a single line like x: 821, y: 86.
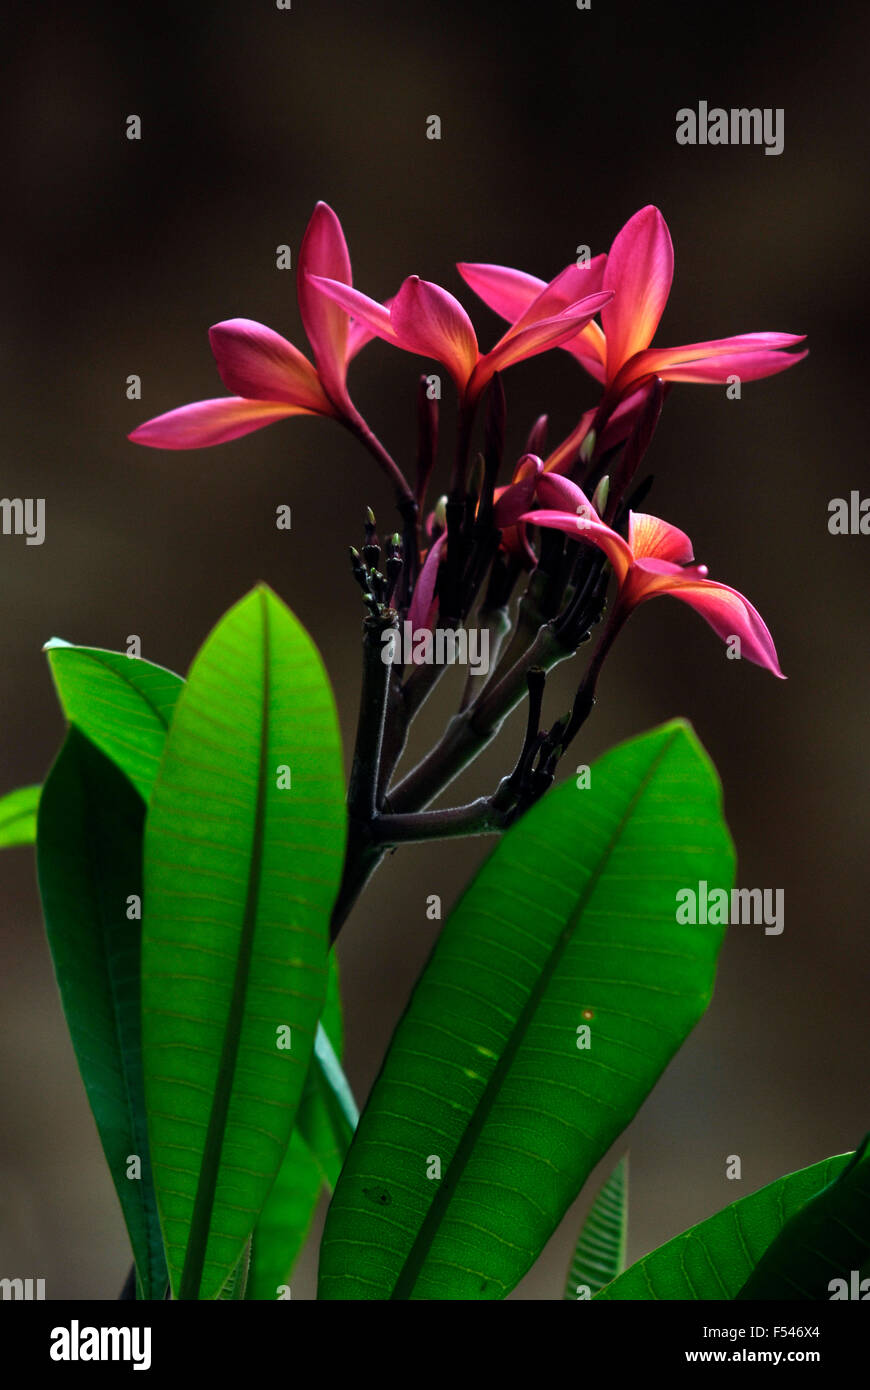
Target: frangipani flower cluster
x: 486, y: 531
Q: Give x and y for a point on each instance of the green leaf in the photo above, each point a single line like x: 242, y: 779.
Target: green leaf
x: 285, y: 1221
x: 827, y: 1239
x: 18, y: 817
x: 714, y: 1259
x: 126, y: 705
x: 327, y: 1114
x: 314, y: 1157
x: 235, y: 1289
x: 600, y: 1252
x: 89, y: 862
x: 240, y: 877
x: 122, y: 703
x: 571, y: 924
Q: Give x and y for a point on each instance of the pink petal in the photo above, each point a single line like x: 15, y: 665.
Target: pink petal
x: 748, y: 366
x: 507, y: 292
x: 424, y: 589
x: 569, y: 288
x: 521, y: 343
x: 324, y: 252
x: 512, y: 501
x: 652, y: 538
x: 640, y: 269
x: 365, y: 310
x: 522, y: 298
x: 655, y: 358
x: 257, y: 363
x: 429, y: 321
x: 715, y: 360
x: 358, y: 334
x: 211, y: 422
x: 559, y: 494
x: 728, y: 613
x: 580, y: 528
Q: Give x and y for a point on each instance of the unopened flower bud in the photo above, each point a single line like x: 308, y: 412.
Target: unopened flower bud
x: 600, y: 495
x: 587, y: 448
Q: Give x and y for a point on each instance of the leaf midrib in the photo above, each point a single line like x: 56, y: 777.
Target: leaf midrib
x: 410, y: 1271
x: 90, y: 654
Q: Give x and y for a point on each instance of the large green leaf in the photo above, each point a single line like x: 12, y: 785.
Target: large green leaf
x: 571, y: 924
x: 599, y: 1255
x: 122, y: 703
x: 125, y: 705
x: 714, y: 1259
x: 827, y: 1239
x: 240, y: 877
x: 89, y: 859
x: 18, y: 817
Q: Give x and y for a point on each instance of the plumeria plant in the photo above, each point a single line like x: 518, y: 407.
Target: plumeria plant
x: 198, y: 852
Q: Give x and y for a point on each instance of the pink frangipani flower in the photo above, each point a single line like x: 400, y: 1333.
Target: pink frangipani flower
x: 656, y: 559
x: 639, y: 270
x: 270, y: 378
x: 429, y: 321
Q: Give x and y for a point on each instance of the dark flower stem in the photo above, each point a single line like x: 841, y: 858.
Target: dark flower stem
x: 361, y: 856
x: 473, y: 728
x: 476, y: 818
x: 405, y: 499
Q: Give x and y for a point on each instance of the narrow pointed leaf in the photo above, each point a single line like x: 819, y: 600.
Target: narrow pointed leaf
x: 122, y: 703
x: 328, y: 1114
x: 599, y: 1255
x: 313, y: 1160
x: 827, y: 1239
x: 713, y: 1260
x: 18, y: 817
x: 571, y: 924
x: 241, y: 871
x: 89, y: 859
x: 285, y: 1221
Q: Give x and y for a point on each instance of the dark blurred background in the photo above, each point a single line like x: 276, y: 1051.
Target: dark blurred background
x: 557, y: 124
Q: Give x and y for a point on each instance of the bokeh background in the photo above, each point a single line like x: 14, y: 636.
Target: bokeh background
x: 557, y: 124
